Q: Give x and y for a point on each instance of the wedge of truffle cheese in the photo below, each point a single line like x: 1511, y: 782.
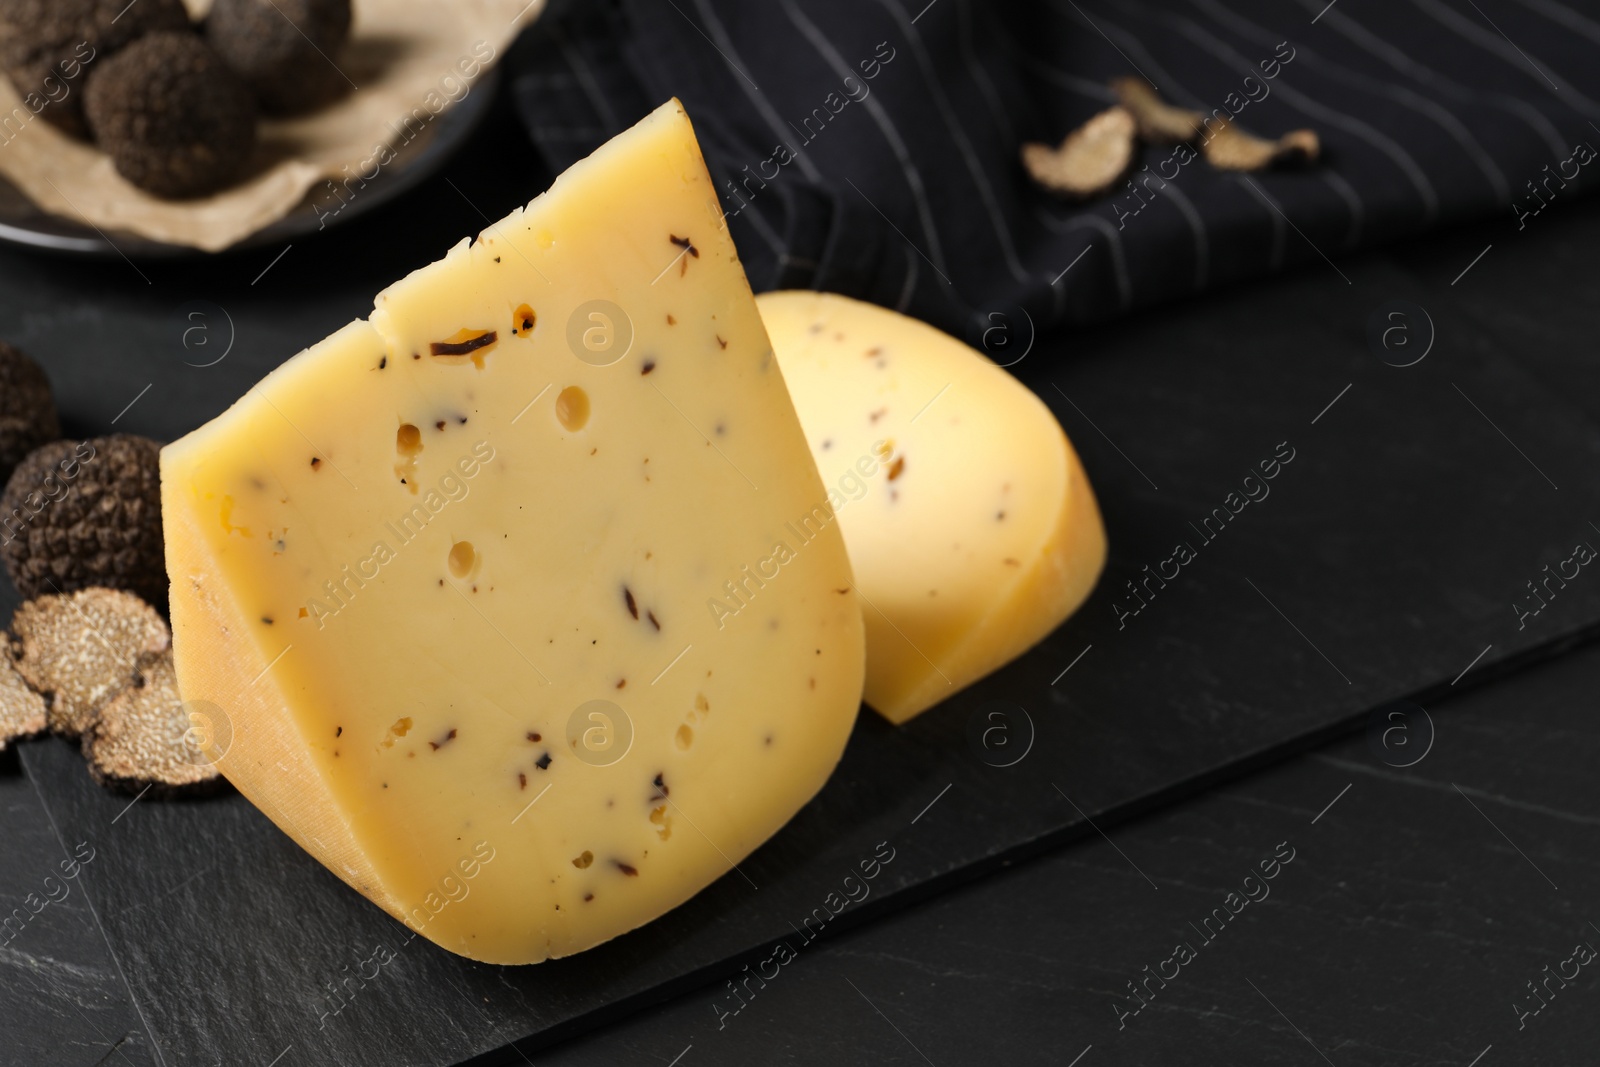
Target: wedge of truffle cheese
x: 971, y: 525
x: 497, y: 595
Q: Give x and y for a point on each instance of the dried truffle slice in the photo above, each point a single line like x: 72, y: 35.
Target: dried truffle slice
x: 287, y: 51
x: 48, y: 46
x: 141, y: 739
x: 1231, y: 148
x: 1090, y: 160
x: 81, y: 648
x: 22, y: 711
x: 77, y: 514
x: 1159, y: 122
x: 28, y: 416
x: 175, y: 120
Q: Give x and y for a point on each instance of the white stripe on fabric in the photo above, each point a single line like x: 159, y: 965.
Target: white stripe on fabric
x: 958, y: 134
x: 1494, y: 43
x: 1082, y: 86
x: 1560, y: 13
x: 980, y: 75
x: 880, y: 118
x: 759, y: 223
x: 722, y: 147
x: 1058, y: 293
x: 913, y: 271
x: 1279, y: 233
x: 1337, y: 72
x: 1119, y: 265
x: 1300, y: 101
x: 757, y: 100
x: 1348, y: 193
x: 1397, y: 58
x: 1197, y: 225
x: 591, y: 88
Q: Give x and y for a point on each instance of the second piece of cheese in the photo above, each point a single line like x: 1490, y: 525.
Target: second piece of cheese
x: 971, y: 525
x: 439, y: 583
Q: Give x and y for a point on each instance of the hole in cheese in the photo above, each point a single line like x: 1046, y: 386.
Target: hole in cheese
x: 685, y: 737
x: 408, y: 440
x: 462, y: 558
x: 408, y: 443
x: 572, y: 408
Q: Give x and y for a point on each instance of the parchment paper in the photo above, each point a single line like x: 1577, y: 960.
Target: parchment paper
x: 410, y: 60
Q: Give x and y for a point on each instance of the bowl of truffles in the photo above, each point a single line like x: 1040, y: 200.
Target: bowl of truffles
x: 164, y: 126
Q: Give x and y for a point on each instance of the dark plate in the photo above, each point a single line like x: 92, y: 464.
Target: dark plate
x: 23, y: 223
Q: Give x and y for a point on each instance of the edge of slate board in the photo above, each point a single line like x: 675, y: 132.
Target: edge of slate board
x: 855, y: 917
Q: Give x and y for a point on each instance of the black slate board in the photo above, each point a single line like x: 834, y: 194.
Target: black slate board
x: 62, y: 1001
x: 1401, y: 935
x: 1394, y: 542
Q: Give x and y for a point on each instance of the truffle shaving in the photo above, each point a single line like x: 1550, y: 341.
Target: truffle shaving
x: 1231, y: 148
x: 22, y: 711
x: 1090, y: 160
x: 1159, y: 122
x: 1225, y: 145
x: 79, y: 649
x: 141, y: 739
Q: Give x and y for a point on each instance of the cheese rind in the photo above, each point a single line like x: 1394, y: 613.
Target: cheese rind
x: 447, y: 574
x: 971, y: 526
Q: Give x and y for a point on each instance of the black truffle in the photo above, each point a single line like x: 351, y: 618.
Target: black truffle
x: 27, y: 409
x: 286, y: 50
x: 48, y: 46
x: 77, y: 514
x: 174, y: 118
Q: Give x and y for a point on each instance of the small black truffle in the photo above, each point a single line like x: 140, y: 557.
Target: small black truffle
x: 77, y: 514
x: 176, y: 121
x: 47, y: 47
x: 287, y: 51
x: 28, y: 416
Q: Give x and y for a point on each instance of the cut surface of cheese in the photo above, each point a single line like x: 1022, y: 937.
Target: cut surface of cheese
x: 971, y: 526
x: 442, y: 581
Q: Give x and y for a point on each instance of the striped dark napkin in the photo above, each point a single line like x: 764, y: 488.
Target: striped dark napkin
x: 871, y: 147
